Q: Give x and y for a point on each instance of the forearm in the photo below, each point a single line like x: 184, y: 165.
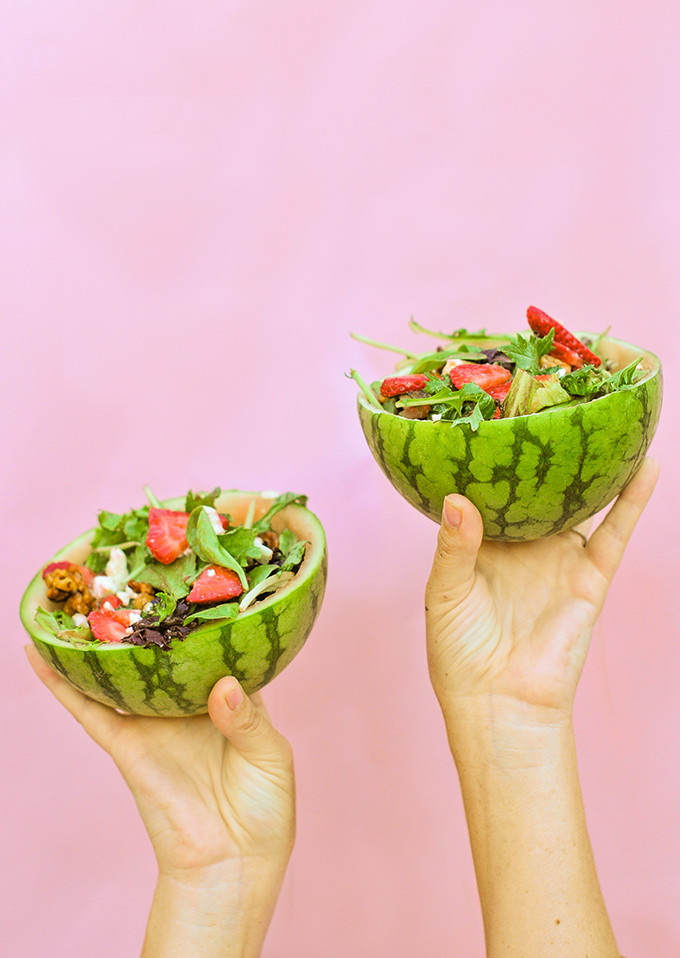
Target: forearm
x: 222, y: 913
x: 536, y: 875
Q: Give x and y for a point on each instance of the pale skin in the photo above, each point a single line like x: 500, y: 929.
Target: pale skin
x: 216, y: 793
x: 508, y: 630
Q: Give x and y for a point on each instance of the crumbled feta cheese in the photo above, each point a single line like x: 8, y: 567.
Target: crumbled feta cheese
x: 215, y: 520
x: 265, y: 552
x: 103, y: 585
x: 116, y: 568
x: 210, y: 572
x: 126, y: 595
x: 80, y: 620
x: 134, y: 617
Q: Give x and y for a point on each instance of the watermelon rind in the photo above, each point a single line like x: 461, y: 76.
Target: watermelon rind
x: 530, y: 476
x: 254, y: 648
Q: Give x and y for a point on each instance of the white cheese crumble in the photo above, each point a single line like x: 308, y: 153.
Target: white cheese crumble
x: 215, y: 520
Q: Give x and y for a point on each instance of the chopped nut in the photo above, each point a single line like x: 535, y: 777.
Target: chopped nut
x: 141, y: 587
x: 68, y: 586
x: 141, y: 600
x: 270, y: 539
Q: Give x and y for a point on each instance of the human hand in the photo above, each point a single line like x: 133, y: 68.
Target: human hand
x: 509, y: 624
x: 210, y: 788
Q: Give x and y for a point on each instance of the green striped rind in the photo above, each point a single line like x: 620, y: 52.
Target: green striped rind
x: 531, y: 476
x: 254, y: 648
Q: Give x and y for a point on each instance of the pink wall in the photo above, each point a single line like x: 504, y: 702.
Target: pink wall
x: 200, y: 201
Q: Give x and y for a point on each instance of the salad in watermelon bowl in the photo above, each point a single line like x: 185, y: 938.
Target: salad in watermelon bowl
x: 540, y: 430
x: 149, y: 609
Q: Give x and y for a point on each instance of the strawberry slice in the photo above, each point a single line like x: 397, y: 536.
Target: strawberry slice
x: 87, y: 574
x: 501, y: 391
x: 215, y: 584
x: 167, y: 536
x: 566, y: 355
x: 484, y: 375
x: 109, y: 625
x: 111, y: 600
x: 398, y: 385
x: 541, y: 324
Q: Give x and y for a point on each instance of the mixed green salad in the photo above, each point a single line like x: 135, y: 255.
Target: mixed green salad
x: 479, y: 376
x: 154, y: 574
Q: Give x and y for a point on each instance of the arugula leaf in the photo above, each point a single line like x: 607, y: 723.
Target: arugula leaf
x: 228, y: 610
x: 624, y: 377
x: 195, y: 499
x: 204, y: 541
x: 240, y: 543
x: 586, y: 381
x: 430, y: 361
x: 173, y: 579
x: 164, y: 604
x: 260, y: 573
x: 526, y: 353
x: 126, y: 530
x: 461, y: 333
x: 455, y: 405
x: 61, y: 624
x: 294, y: 557
x: 286, y: 499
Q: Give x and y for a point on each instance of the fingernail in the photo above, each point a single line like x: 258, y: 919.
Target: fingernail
x: 452, y: 514
x: 234, y: 697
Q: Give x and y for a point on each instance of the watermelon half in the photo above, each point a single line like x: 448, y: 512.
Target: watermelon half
x: 531, y: 476
x: 254, y: 647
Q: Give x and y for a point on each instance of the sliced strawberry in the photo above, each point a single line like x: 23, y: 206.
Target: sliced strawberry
x: 87, y: 574
x: 500, y: 392
x: 111, y: 600
x: 541, y: 324
x: 484, y: 375
x: 167, y: 538
x: 215, y: 584
x: 398, y: 385
x: 109, y: 625
x: 566, y: 355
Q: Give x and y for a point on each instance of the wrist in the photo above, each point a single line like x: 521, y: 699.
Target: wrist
x: 497, y: 730
x: 223, y: 909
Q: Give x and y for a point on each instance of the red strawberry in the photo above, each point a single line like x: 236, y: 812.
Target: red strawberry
x: 215, y: 584
x: 566, y: 355
x: 87, y: 574
x: 109, y: 625
x: 541, y: 324
x: 112, y: 600
x: 485, y: 375
x: 500, y: 392
x: 167, y: 537
x: 398, y: 385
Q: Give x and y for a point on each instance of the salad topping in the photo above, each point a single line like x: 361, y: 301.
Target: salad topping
x: 479, y: 376
x: 154, y: 574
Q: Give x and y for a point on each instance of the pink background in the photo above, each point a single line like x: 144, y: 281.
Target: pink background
x: 200, y: 202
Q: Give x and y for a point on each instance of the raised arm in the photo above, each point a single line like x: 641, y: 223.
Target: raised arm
x: 508, y: 629
x: 216, y: 794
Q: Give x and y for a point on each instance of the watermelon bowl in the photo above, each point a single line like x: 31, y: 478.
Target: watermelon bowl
x: 254, y: 647
x: 529, y: 476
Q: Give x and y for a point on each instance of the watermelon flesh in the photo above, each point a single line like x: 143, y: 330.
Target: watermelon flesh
x: 530, y: 476
x: 254, y: 647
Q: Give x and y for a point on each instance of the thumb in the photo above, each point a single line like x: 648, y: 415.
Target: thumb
x: 460, y: 536
x: 244, y: 724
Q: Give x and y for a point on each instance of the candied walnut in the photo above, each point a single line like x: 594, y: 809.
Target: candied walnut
x: 80, y: 602
x: 141, y: 600
x: 416, y: 412
x: 68, y: 586
x: 270, y: 539
x: 141, y: 587
x: 545, y: 362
